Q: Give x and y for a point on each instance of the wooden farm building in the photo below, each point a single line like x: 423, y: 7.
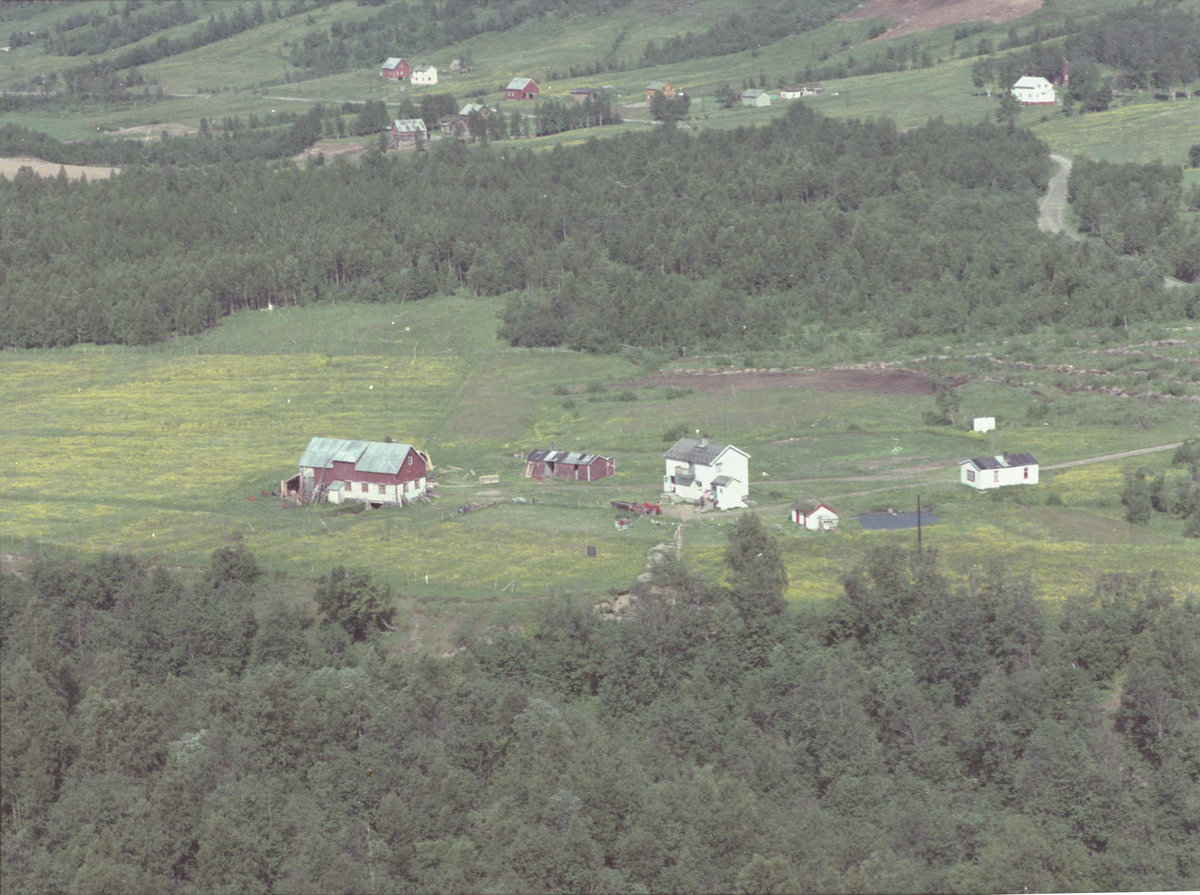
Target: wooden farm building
x: 522, y: 88
x: 666, y: 88
x: 570, y: 465
x: 395, y: 68
x: 374, y: 472
x: 755, y: 97
x: 405, y: 130
x: 583, y: 94
x: 984, y: 473
x: 702, y: 470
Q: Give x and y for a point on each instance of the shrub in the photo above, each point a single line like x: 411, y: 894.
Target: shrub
x: 561, y: 390
x: 674, y: 391
x: 627, y: 395
x: 1053, y: 500
x: 675, y: 432
x: 594, y: 387
x: 569, y: 404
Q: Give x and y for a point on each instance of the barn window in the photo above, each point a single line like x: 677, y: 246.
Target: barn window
x: 410, y: 459
x: 970, y: 475
x: 365, y: 487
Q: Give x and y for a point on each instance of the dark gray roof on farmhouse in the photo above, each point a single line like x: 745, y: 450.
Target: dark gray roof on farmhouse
x: 694, y: 450
x: 367, y: 456
x: 1004, y: 461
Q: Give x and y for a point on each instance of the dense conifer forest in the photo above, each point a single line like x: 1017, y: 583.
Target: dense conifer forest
x: 933, y: 732
x: 658, y: 239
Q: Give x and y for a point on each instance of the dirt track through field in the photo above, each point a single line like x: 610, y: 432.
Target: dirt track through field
x: 1050, y: 211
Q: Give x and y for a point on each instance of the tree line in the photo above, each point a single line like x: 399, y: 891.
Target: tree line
x: 175, y: 733
x: 804, y: 220
x: 736, y: 32
x: 1135, y: 209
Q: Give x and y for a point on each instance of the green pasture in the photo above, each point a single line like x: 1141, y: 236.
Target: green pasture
x: 159, y: 451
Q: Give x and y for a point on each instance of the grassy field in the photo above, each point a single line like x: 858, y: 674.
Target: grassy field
x: 159, y: 451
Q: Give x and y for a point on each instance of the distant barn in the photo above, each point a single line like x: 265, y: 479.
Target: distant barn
x: 395, y: 68
x: 375, y: 472
x: 522, y: 88
x: 570, y: 465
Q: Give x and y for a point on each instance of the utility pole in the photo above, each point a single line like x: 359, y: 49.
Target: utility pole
x: 918, y: 524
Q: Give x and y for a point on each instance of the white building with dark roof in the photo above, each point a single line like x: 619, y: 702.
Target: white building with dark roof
x: 984, y: 473
x: 1034, y: 91
x: 700, y: 468
x: 424, y: 74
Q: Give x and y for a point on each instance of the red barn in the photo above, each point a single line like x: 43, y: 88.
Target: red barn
x: 375, y: 472
x: 521, y: 88
x: 570, y: 465
x: 405, y: 130
x: 395, y: 68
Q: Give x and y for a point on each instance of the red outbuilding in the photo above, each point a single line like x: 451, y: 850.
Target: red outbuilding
x: 570, y: 465
x: 521, y: 88
x: 395, y: 68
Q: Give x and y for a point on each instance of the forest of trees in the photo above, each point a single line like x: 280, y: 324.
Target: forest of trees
x: 608, y: 243
x: 932, y: 732
x: 737, y: 32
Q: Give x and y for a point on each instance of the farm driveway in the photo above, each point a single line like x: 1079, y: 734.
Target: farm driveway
x: 1050, y: 212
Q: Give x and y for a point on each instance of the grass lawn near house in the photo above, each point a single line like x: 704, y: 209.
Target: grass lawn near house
x: 173, y: 440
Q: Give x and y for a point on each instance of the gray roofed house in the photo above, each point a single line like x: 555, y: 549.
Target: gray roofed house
x: 696, y: 450
x: 983, y: 473
x: 701, y: 469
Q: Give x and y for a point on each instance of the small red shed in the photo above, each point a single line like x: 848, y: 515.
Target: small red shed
x: 570, y: 465
x: 521, y: 88
x: 395, y: 68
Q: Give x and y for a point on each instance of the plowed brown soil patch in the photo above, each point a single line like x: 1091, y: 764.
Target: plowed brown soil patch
x: 921, y: 15
x: 883, y: 382
x: 172, y: 128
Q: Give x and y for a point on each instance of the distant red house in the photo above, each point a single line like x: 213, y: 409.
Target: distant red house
x: 395, y: 68
x: 522, y: 88
x: 405, y: 130
x: 570, y: 465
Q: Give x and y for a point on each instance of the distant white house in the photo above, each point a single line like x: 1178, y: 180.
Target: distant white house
x: 701, y: 469
x: 424, y: 74
x: 1034, y: 91
x: 983, y: 424
x: 755, y: 97
x: 984, y: 473
x: 820, y: 519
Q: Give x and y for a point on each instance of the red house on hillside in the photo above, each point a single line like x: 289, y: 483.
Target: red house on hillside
x: 395, y: 68
x: 570, y: 465
x: 375, y: 472
x: 522, y: 88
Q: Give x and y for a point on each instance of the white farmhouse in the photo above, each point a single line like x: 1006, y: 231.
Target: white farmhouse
x: 424, y: 74
x: 1034, y: 91
x: 820, y: 519
x: 983, y: 473
x: 700, y: 468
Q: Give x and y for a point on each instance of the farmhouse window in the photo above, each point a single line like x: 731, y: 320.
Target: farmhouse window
x: 970, y: 475
x: 365, y: 487
x: 996, y: 476
x: 1026, y: 472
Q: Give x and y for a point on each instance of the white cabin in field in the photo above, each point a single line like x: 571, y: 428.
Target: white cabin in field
x: 983, y: 424
x: 700, y: 469
x: 820, y: 519
x: 423, y: 74
x: 1034, y: 91
x: 984, y: 473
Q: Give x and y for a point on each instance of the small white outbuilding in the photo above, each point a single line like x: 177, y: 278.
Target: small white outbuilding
x: 983, y: 424
x: 984, y: 473
x: 822, y: 518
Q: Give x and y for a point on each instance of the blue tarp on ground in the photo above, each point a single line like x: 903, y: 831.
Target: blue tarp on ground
x: 892, y: 521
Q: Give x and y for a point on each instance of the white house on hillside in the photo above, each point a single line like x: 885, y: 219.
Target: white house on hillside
x: 984, y: 473
x: 1034, y: 91
x: 701, y: 469
x: 424, y: 74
